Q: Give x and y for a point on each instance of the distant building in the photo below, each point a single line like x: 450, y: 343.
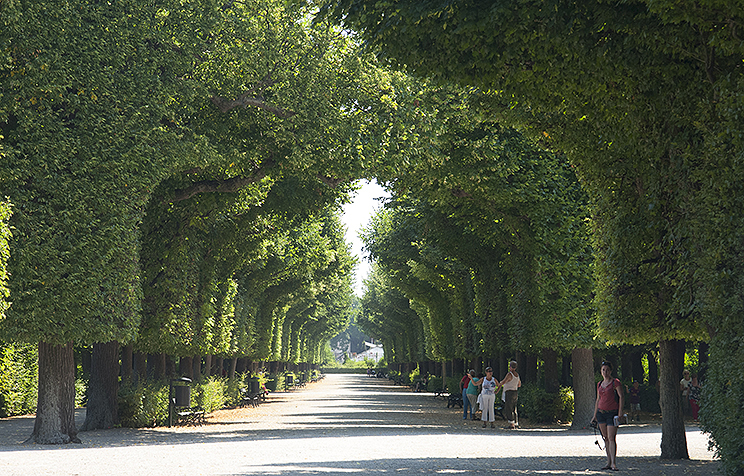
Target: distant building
x: 373, y: 352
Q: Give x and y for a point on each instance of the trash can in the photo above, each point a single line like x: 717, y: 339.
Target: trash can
x: 254, y: 386
x: 179, y: 395
x: 288, y: 381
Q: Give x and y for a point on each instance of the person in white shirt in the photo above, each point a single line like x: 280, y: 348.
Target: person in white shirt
x: 511, y: 384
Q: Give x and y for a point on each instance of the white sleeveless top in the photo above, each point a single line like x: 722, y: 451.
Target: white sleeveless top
x: 512, y: 384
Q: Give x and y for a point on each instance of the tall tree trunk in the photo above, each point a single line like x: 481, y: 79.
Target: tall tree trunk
x: 140, y: 364
x: 583, y: 387
x: 673, y: 438
x: 550, y: 370
x: 126, y: 362
x: 170, y: 367
x: 55, y: 409
x: 159, y: 366
x: 186, y: 367
x: 233, y: 366
x: 197, y: 367
x: 219, y: 366
x: 635, y: 358
x: 653, y: 368
x: 566, y: 371
x: 530, y: 371
x: 207, y: 371
x: 101, y: 411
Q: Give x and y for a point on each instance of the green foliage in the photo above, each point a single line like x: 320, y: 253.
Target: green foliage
x: 18, y: 379
x: 143, y: 405
x: 81, y: 392
x: 543, y: 407
x: 5, y: 212
x: 211, y: 394
x: 721, y: 399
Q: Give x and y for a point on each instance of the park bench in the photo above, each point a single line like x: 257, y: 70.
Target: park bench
x: 189, y: 416
x: 454, y: 400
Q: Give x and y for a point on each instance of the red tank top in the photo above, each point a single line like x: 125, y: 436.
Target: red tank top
x: 607, y: 401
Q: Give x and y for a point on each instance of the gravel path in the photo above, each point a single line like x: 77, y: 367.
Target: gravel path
x: 344, y: 424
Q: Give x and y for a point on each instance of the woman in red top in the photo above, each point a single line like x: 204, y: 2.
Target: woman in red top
x: 608, y: 410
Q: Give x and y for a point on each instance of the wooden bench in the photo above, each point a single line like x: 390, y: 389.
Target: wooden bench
x: 454, y: 400
x: 189, y: 416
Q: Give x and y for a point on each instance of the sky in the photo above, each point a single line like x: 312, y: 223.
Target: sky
x: 355, y: 216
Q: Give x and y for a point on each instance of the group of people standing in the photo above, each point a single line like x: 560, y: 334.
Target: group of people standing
x: 482, y: 392
x: 690, y: 388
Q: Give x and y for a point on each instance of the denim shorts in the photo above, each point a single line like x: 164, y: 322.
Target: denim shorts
x: 606, y: 417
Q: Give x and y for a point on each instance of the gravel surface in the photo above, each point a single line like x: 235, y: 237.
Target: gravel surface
x: 345, y: 424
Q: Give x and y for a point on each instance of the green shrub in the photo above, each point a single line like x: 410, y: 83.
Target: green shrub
x: 211, y: 395
x: 453, y: 385
x: 81, y: 392
x: 143, y: 405
x: 434, y: 384
x: 543, y: 407
x: 19, y: 379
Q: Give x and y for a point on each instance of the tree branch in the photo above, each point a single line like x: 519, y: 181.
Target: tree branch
x: 245, y: 100
x: 230, y: 185
x: 331, y: 182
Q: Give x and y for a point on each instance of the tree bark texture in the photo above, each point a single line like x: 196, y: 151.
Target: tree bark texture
x: 583, y: 386
x: 55, y: 409
x: 550, y: 370
x: 197, y: 367
x: 140, y: 365
x: 186, y: 367
x: 673, y: 438
x: 103, y: 390
x: 159, y: 366
x: 126, y: 362
x: 233, y: 366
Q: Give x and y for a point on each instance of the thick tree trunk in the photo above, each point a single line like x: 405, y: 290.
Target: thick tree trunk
x: 583, y: 386
x: 158, y: 366
x: 550, y: 370
x: 101, y: 411
x: 673, y: 438
x: 126, y: 362
x: 55, y: 409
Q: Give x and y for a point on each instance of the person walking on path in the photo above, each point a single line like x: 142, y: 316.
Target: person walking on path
x: 509, y: 396
x: 684, y: 387
x: 464, y: 383
x: 694, y: 397
x: 635, y: 400
x: 488, y: 398
x: 608, y: 410
x: 472, y: 393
